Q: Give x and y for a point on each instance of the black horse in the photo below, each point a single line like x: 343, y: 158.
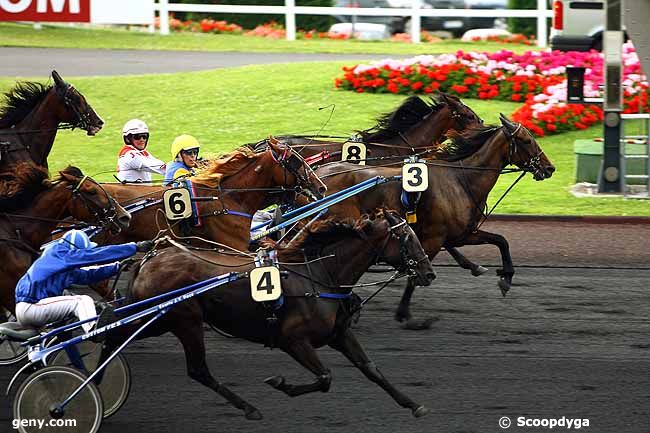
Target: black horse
x: 317, y: 302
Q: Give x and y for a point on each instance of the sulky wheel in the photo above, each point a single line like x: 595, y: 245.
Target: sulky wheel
x: 39, y: 394
x: 115, y: 385
x: 11, y: 352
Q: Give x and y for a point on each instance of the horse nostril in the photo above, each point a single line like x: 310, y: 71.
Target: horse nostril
x: 431, y: 276
x: 322, y: 189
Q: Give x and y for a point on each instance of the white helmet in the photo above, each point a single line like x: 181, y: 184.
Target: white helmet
x: 134, y: 126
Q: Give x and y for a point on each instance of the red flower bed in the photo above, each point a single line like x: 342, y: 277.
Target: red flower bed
x: 536, y: 79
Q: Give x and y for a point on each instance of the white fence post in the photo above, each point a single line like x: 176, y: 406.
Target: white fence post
x: 163, y: 13
x: 290, y: 19
x: 415, y: 21
x: 542, y: 30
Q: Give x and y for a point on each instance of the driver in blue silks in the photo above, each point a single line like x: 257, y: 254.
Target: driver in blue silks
x: 74, y: 259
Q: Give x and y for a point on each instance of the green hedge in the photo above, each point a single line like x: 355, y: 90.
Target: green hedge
x: 525, y: 26
x: 250, y: 21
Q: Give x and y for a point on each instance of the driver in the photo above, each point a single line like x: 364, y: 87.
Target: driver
x: 74, y: 259
x: 185, y: 153
x: 134, y: 162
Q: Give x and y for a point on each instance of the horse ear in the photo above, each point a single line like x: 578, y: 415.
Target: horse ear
x: 273, y: 142
x: 68, y: 177
x: 505, y: 121
x: 58, y: 80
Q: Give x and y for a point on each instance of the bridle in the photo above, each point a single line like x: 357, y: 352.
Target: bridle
x: 83, y: 118
x: 292, y: 162
x: 408, y: 264
x: 105, y: 216
x: 531, y: 165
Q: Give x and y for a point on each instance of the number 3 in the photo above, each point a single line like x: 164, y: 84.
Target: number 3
x: 415, y: 177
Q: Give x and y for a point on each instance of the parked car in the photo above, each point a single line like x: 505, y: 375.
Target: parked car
x: 394, y: 24
x: 578, y: 25
x: 456, y: 25
x: 459, y: 25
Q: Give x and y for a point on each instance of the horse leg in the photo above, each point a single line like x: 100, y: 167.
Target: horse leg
x: 191, y: 337
x: 403, y: 312
x: 303, y: 352
x: 508, y: 271
x: 464, y: 262
x: 349, y: 346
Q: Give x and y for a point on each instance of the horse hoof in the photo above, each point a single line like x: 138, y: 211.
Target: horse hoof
x: 275, y: 381
x: 504, y: 286
x: 402, y: 317
x: 479, y: 270
x: 415, y: 325
x: 420, y: 412
x: 254, y: 415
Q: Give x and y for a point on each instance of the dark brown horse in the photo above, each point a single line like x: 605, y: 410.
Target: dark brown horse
x: 414, y: 127
x: 29, y: 120
x: 238, y: 184
x: 23, y: 231
x: 317, y: 302
x: 460, y: 180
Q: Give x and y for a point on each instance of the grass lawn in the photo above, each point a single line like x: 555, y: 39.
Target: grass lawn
x: 23, y: 35
x: 228, y: 107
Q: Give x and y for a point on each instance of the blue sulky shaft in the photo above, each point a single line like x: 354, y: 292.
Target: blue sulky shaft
x: 318, y: 202
x: 157, y: 310
x: 129, y: 307
x: 325, y: 203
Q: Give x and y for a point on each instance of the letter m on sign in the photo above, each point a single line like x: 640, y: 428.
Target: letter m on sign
x: 45, y: 10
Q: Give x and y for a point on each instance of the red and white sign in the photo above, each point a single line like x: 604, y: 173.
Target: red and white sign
x: 78, y: 11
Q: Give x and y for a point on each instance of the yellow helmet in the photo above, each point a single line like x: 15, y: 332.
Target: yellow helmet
x: 184, y: 142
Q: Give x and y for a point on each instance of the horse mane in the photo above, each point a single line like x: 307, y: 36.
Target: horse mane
x: 464, y: 144
x: 316, y: 237
x: 20, y: 101
x: 216, y: 170
x: 20, y: 183
x: 411, y: 112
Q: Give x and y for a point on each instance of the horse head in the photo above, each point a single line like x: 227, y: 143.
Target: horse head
x: 524, y: 152
x: 91, y: 202
x: 76, y: 110
x: 295, y: 170
x: 462, y: 117
x: 397, y: 245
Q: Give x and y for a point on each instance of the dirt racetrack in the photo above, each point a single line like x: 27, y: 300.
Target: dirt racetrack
x: 570, y: 340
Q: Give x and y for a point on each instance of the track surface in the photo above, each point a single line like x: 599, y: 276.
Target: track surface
x: 38, y: 62
x: 565, y: 342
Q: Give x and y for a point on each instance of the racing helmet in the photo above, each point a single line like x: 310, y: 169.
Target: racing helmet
x: 134, y: 126
x: 77, y: 239
x: 184, y: 142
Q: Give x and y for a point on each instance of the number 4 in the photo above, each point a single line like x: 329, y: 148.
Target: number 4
x: 265, y: 284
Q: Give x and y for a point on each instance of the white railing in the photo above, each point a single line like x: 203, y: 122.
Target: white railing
x: 290, y: 10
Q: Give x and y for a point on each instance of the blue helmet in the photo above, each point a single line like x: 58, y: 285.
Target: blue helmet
x: 77, y: 239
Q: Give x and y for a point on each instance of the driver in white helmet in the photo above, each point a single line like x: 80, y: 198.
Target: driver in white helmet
x: 134, y: 162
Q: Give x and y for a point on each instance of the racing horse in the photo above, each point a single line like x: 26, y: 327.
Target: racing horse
x: 459, y: 181
x: 416, y: 126
x: 32, y: 115
x: 413, y: 127
x: 22, y: 232
x: 30, y: 118
x: 228, y: 192
x: 317, y: 300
